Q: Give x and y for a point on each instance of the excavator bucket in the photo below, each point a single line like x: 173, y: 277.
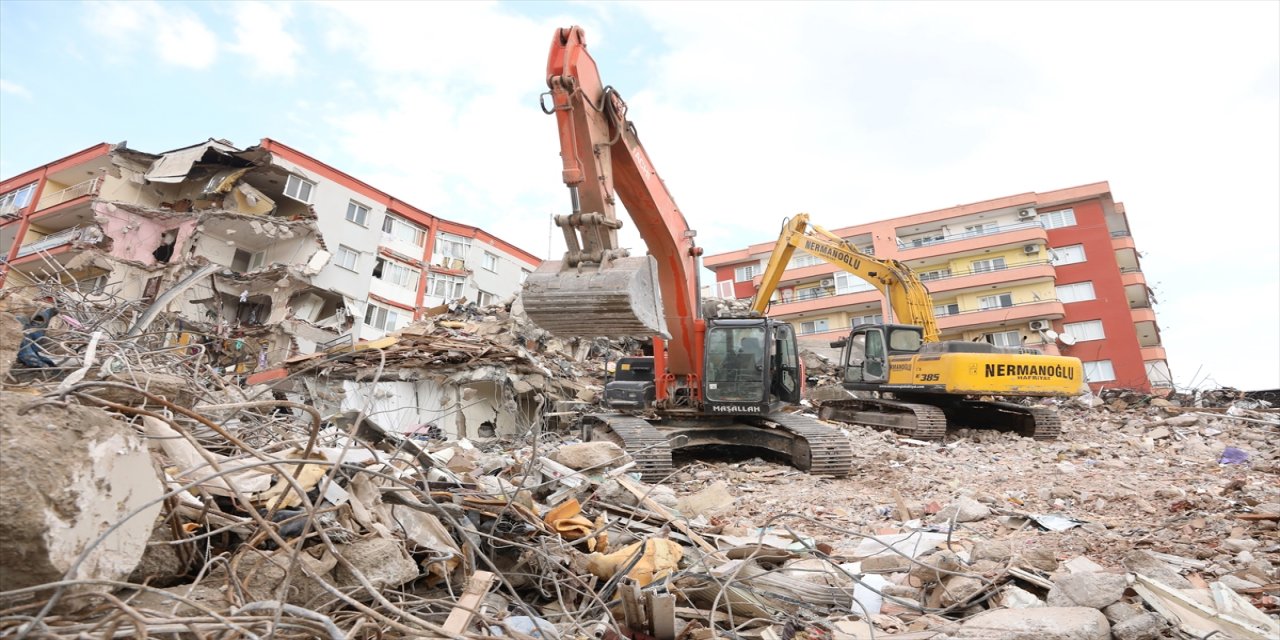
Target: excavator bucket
x: 619, y: 300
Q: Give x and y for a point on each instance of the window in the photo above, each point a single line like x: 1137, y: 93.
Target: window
x: 993, y: 264
x: 1098, y: 371
x: 934, y: 275
x: 396, y: 273
x: 1090, y: 330
x: 746, y: 272
x: 1158, y: 373
x: 874, y: 318
x: 849, y: 283
x: 445, y: 286
x: 1055, y: 219
x: 451, y: 251
x: 810, y: 293
x: 380, y: 317
x: 946, y: 309
x: 357, y: 213
x: 724, y: 289
x: 347, y: 258
x: 813, y: 326
x: 803, y: 260
x: 927, y: 239
x: 403, y: 230
x: 1005, y: 339
x: 16, y: 200
x: 243, y: 261
x: 490, y: 262
x: 524, y: 275
x: 299, y: 189
x: 996, y: 301
x: 1066, y: 255
x: 980, y: 229
x: 484, y: 298
x: 1077, y: 292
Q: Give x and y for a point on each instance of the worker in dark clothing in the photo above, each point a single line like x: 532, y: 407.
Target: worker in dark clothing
x: 30, y: 353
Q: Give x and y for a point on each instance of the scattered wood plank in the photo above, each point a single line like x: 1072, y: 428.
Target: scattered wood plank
x: 460, y: 618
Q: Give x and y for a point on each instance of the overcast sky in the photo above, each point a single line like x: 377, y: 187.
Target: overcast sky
x: 852, y: 112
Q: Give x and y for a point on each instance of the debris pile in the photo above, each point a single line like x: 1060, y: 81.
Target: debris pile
x: 360, y: 494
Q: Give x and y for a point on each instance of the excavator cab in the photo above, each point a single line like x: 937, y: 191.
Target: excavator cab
x: 866, y: 350
x: 750, y: 366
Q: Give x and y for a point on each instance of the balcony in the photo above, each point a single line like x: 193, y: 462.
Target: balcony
x: 61, y: 238
x: 87, y: 188
x: 393, y: 292
x: 824, y: 301
x: 968, y: 278
x: 1122, y: 242
x: 1153, y: 353
x: 1037, y: 310
x: 1009, y: 234
x: 1132, y: 276
x: 1141, y: 314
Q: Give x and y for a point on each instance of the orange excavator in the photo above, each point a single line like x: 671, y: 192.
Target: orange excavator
x: 709, y: 381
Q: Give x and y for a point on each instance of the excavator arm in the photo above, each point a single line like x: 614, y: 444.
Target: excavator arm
x: 598, y: 289
x: 907, y: 295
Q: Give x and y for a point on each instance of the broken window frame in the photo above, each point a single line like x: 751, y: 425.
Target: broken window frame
x: 380, y: 317
x: 295, y: 184
x: 18, y: 199
x: 403, y: 230
x: 339, y: 258
x: 396, y: 273
x: 451, y: 247
x: 483, y: 298
x: 254, y: 260
x: 446, y: 284
x: 361, y: 213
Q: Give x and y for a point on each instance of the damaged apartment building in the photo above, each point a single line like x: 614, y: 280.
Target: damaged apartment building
x: 255, y: 255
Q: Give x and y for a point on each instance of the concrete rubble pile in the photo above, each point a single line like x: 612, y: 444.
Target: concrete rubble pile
x: 161, y: 496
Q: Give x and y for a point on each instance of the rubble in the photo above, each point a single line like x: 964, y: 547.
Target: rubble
x: 434, y: 484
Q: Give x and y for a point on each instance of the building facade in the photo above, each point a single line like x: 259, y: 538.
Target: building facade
x: 299, y: 255
x: 1015, y: 271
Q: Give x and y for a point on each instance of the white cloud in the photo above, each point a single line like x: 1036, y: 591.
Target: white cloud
x: 14, y: 88
x: 175, y: 35
x: 261, y: 35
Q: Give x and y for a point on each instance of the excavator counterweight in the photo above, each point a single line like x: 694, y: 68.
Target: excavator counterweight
x: 621, y: 299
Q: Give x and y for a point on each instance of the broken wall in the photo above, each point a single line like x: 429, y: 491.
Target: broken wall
x: 135, y: 235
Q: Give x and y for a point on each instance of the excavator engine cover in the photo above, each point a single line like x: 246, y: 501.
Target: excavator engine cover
x: 619, y: 300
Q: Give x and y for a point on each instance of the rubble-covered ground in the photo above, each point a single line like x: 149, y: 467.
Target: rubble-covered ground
x: 144, y: 494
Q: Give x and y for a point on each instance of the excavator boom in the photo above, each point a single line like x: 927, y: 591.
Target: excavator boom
x: 907, y: 295
x: 598, y: 289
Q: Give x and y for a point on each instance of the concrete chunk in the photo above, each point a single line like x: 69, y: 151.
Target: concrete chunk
x: 70, y: 474
x: 1094, y: 590
x: 597, y: 455
x: 1040, y: 623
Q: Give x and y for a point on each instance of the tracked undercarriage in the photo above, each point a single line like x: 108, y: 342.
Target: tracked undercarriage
x: 927, y: 417
x: 810, y: 445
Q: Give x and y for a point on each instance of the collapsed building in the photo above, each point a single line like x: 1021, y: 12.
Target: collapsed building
x: 228, y: 248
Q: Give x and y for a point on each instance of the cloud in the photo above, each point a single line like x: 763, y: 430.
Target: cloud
x: 261, y: 35
x: 176, y: 36
x: 14, y: 88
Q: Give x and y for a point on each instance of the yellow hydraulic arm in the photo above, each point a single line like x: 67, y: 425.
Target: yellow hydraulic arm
x: 908, y: 296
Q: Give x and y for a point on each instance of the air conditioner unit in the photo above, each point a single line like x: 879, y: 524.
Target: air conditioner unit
x: 1026, y: 214
x: 1040, y: 325
x: 827, y: 282
x: 1031, y: 249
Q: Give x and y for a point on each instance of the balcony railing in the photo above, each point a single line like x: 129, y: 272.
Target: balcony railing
x: 50, y: 241
x: 963, y: 311
x: 925, y: 242
x: 960, y: 273
x: 88, y: 187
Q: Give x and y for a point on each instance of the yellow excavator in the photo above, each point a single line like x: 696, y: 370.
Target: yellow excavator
x: 901, y: 376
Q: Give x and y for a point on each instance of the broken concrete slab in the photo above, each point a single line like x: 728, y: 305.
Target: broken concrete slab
x: 76, y: 483
x: 596, y: 455
x: 964, y: 509
x: 1040, y: 623
x: 1147, y: 626
x: 1094, y: 590
x: 384, y: 562
x: 714, y: 498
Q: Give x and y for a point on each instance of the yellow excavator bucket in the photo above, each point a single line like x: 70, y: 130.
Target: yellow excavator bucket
x: 619, y: 300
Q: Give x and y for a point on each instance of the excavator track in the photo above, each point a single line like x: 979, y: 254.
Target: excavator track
x: 829, y: 451
x: 812, y: 446
x: 914, y: 420
x: 648, y: 446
